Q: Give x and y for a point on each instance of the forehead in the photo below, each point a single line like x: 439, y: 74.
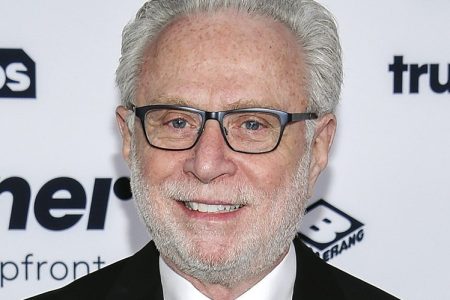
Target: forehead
x: 217, y: 60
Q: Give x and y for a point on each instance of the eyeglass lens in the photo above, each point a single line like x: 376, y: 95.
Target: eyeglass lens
x: 178, y: 129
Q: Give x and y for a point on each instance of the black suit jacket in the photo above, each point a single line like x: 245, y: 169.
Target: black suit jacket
x: 137, y: 277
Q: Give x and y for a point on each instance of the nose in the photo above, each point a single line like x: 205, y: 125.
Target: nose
x: 210, y: 160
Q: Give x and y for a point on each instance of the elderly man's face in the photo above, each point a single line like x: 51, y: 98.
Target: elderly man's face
x: 218, y: 62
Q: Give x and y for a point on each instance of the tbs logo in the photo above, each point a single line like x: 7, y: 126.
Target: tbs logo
x: 329, y: 231
x: 17, y: 74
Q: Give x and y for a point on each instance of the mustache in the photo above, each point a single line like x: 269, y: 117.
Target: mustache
x: 186, y: 190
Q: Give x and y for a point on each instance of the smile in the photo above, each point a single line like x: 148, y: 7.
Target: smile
x: 211, y: 208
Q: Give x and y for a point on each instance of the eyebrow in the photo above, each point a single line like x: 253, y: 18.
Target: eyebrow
x: 241, y: 103
x: 248, y: 103
x: 170, y: 100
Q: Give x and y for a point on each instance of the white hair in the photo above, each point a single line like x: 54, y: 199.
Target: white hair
x: 312, y: 24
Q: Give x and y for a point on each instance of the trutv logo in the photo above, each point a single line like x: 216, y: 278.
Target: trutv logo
x: 17, y: 74
x: 329, y: 231
x: 417, y: 71
x: 65, y: 194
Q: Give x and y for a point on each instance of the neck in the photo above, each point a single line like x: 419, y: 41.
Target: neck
x: 221, y: 292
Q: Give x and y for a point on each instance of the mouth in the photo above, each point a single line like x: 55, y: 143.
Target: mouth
x: 211, y: 208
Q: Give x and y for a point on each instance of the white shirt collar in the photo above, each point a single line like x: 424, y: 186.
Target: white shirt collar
x: 277, y: 285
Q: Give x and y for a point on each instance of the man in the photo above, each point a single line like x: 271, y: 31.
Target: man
x: 227, y: 121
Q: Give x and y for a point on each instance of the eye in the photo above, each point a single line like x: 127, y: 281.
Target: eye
x: 178, y: 123
x: 252, y: 125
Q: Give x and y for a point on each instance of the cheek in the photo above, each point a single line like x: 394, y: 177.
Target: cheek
x: 268, y: 172
x: 273, y: 170
x: 158, y: 165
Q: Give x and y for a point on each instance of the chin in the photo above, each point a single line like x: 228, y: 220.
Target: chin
x: 213, y: 251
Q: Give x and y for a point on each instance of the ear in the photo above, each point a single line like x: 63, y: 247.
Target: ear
x: 121, y: 117
x: 320, y: 147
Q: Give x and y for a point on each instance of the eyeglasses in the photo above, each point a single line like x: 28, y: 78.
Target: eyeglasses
x: 248, y: 130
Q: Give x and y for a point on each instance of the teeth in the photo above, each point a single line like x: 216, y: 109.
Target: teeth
x: 211, y: 208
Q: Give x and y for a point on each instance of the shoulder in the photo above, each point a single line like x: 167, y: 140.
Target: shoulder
x: 316, y: 277
x: 125, y: 279
x: 91, y: 286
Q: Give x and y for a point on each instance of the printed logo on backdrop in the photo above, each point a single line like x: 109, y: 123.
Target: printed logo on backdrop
x: 17, y: 74
x: 68, y: 197
x: 63, y: 194
x: 329, y: 231
x: 408, y: 75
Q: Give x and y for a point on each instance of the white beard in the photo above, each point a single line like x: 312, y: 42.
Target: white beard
x: 258, y: 247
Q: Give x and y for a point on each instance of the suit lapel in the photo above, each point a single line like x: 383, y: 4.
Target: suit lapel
x: 140, y: 278
x: 314, y: 280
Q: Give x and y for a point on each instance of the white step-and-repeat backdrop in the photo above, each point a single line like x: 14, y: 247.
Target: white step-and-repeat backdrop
x: 64, y: 205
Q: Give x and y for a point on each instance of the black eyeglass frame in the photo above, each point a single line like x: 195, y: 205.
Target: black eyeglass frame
x: 284, y: 118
